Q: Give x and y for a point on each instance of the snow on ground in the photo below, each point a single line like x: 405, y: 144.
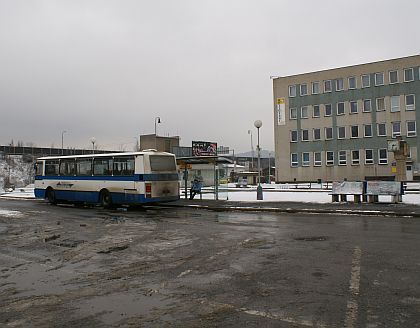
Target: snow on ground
x: 271, y: 193
x: 10, y: 214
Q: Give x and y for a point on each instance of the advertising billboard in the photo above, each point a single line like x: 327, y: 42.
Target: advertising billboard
x: 204, y: 148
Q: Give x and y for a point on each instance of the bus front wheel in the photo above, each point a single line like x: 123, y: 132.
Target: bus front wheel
x: 51, y: 196
x: 106, y: 199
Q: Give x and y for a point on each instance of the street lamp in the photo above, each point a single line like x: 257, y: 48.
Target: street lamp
x: 157, y: 120
x: 62, y: 141
x: 258, y: 124
x: 252, y: 150
x: 93, y: 140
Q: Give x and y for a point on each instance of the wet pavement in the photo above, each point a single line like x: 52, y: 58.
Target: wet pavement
x: 205, y: 266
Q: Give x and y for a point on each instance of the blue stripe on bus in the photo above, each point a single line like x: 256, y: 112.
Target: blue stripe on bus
x: 93, y: 197
x: 135, y: 177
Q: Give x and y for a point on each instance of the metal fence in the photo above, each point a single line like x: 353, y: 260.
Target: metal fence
x: 39, y: 151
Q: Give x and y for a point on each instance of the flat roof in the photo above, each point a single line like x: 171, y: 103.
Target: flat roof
x: 203, y: 160
x: 274, y: 77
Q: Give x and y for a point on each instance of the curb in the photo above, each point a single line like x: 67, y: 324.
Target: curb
x: 296, y: 210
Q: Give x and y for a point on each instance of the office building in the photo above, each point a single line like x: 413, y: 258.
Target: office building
x: 335, y: 124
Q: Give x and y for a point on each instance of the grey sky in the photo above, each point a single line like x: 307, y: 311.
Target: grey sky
x: 108, y: 68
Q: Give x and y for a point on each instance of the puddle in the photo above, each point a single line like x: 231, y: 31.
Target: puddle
x: 34, y: 279
x: 312, y: 238
x: 115, y: 307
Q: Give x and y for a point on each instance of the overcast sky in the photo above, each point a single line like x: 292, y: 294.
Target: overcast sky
x: 108, y: 68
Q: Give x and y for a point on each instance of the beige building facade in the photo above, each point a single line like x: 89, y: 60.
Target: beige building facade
x: 160, y: 143
x: 335, y: 124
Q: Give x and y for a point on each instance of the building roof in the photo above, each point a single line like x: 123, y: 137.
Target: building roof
x: 343, y: 67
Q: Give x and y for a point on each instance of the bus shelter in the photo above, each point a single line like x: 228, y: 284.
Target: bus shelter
x: 214, y: 181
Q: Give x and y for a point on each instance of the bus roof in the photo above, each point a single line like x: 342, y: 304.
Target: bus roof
x: 138, y: 153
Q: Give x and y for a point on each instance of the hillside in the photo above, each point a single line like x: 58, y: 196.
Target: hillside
x: 16, y: 170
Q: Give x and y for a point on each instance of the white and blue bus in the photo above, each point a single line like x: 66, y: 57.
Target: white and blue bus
x: 108, y: 179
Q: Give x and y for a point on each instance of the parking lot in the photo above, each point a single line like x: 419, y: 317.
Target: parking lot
x: 66, y: 266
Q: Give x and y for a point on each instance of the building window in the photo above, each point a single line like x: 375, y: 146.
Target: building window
x: 410, y: 102
x: 368, y: 130
x: 368, y: 156
x: 396, y: 129
x: 329, y: 158
x: 294, y: 136
x: 316, y: 111
x: 367, y: 105
x: 305, y: 135
x: 317, y: 159
x: 379, y: 78
x: 292, y: 91
x: 293, y: 113
x: 341, y: 132
x: 315, y: 88
x: 354, y: 131
x: 328, y: 109
x: 294, y: 160
x: 395, y: 103
x: 380, y: 104
x: 393, y: 77
x: 353, y: 107
x: 408, y: 74
x: 339, y: 85
x: 352, y: 82
x: 328, y: 133
x: 340, y: 108
x: 355, y: 157
x: 327, y: 86
x: 342, y: 157
x: 381, y: 129
x: 383, y: 156
x: 365, y: 81
x: 304, y: 112
x: 303, y: 89
x: 411, y: 129
x: 317, y: 134
x: 305, y: 159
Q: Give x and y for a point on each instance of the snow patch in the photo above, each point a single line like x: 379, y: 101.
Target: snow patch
x: 11, y: 214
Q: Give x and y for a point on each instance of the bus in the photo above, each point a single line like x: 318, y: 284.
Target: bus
x: 108, y: 179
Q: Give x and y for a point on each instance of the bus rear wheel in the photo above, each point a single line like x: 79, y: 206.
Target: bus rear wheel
x: 51, y: 196
x: 106, y: 199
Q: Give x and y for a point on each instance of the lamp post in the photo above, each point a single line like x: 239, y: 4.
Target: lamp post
x: 258, y: 125
x: 157, y: 120
x: 62, y: 141
x: 252, y: 150
x: 93, y: 140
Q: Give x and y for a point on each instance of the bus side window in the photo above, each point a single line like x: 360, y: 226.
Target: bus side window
x: 51, y: 167
x: 102, y: 166
x: 39, y: 168
x: 124, y: 165
x: 84, y: 166
x: 67, y: 167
